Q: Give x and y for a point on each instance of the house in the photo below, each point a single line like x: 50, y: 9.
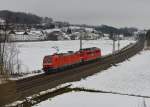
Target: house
x: 75, y: 36
x: 56, y: 35
x: 2, y: 22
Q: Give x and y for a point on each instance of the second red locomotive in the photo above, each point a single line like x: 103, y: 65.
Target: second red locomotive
x: 55, y: 62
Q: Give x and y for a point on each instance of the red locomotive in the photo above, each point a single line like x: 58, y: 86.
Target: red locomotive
x: 55, y: 62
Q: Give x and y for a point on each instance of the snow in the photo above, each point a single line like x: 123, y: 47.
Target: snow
x: 29, y: 74
x: 51, y: 30
x: 74, y: 27
x: 129, y: 77
x: 33, y: 35
x: 32, y: 53
x: 2, y: 21
x: 32, y: 97
x: 86, y: 99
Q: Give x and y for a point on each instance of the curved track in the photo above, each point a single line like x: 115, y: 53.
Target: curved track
x: 31, y: 85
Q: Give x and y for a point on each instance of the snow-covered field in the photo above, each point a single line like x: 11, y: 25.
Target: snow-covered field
x: 32, y: 53
x: 86, y: 99
x: 129, y: 77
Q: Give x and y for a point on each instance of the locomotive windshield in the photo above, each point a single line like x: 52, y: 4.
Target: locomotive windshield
x: 47, y: 59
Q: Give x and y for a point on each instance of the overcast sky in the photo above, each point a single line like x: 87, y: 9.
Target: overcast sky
x: 118, y: 13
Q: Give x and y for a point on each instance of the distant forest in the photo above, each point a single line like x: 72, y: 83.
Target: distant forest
x: 112, y: 30
x: 20, y: 17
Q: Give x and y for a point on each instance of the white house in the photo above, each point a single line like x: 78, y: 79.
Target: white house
x: 2, y: 21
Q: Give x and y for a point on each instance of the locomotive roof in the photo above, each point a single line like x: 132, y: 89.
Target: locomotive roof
x: 69, y: 53
x: 72, y: 52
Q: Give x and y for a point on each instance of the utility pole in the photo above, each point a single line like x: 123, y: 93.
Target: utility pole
x: 81, y: 37
x: 113, y: 43
x: 144, y: 103
x: 81, y: 40
x: 118, y: 42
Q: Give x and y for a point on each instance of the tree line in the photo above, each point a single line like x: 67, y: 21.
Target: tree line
x: 112, y: 30
x: 20, y: 17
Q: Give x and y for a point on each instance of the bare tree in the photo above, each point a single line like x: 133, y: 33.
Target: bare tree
x: 11, y: 60
x: 3, y: 40
x: 142, y: 103
x: 8, y: 52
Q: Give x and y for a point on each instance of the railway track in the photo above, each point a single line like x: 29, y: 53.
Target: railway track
x: 32, y: 85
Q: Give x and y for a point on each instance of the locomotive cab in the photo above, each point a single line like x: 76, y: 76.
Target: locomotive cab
x: 50, y: 63
x: 47, y: 62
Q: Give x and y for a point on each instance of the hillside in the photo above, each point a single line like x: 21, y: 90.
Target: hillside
x: 20, y: 17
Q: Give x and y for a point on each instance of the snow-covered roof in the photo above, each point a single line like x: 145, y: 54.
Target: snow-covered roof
x: 51, y: 30
x: 89, y: 29
x: 2, y: 21
x: 74, y: 27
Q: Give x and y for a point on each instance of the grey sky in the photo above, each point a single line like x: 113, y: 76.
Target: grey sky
x: 117, y: 13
